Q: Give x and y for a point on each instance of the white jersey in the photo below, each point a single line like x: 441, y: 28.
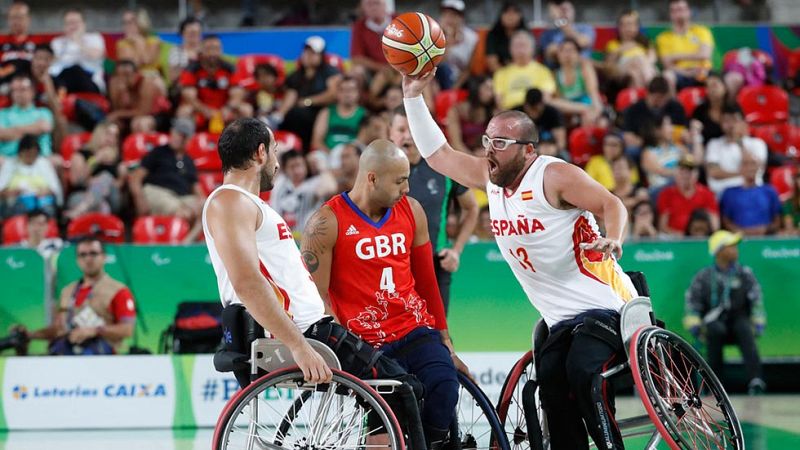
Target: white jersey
x: 280, y: 264
x: 542, y: 246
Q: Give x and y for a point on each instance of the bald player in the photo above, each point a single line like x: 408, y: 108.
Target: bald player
x: 369, y: 254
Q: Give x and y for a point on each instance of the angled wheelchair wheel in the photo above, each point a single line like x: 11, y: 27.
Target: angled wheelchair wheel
x: 281, y: 411
x: 520, y: 410
x: 477, y: 425
x: 681, y: 394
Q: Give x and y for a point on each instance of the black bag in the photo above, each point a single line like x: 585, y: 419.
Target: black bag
x: 197, y: 329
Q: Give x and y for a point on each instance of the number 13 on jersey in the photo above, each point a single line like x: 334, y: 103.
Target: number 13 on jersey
x: 521, y: 255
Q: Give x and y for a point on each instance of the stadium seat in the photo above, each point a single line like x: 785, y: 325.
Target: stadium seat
x: 335, y: 60
x: 137, y: 145
x: 287, y: 141
x: 445, y: 100
x: 627, y: 97
x: 246, y: 67
x: 209, y: 180
x: 15, y: 229
x: 764, y: 104
x: 4, y: 101
x: 690, y: 98
x: 585, y: 142
x: 107, y: 227
x: 782, y: 179
x: 760, y: 55
x: 160, y: 230
x: 780, y: 138
x: 202, y: 148
x: 68, y: 103
x: 72, y: 143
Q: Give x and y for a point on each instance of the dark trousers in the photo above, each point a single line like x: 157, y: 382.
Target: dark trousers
x: 735, y: 329
x: 443, y: 278
x: 423, y: 355
x: 566, y: 366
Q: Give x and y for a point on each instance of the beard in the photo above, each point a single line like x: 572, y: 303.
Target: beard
x: 267, y: 180
x: 504, y: 175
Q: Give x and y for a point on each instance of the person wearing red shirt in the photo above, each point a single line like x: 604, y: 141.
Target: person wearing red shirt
x: 676, y: 202
x: 96, y: 313
x: 206, y: 84
x: 367, y: 31
x: 369, y: 253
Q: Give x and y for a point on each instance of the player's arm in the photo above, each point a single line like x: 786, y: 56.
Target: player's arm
x: 232, y: 220
x: 567, y: 185
x: 465, y: 169
x: 425, y: 279
x: 319, y: 238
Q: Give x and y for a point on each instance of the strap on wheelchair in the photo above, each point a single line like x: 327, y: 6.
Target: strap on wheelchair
x: 355, y: 355
x: 640, y: 283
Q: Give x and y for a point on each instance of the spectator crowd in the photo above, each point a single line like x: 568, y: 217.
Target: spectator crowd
x: 96, y: 130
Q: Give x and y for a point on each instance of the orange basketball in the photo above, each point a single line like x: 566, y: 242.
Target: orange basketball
x: 413, y: 43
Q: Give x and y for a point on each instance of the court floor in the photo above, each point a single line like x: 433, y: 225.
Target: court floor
x: 769, y: 422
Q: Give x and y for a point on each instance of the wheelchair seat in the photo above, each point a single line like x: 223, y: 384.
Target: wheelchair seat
x: 635, y: 314
x: 272, y: 355
x: 540, y: 334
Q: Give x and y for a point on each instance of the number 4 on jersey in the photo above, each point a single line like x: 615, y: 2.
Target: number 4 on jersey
x: 387, y: 279
x: 521, y: 255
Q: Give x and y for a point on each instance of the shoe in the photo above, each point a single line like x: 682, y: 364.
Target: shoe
x: 757, y: 386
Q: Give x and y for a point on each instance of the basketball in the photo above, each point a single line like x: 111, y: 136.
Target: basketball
x: 413, y: 43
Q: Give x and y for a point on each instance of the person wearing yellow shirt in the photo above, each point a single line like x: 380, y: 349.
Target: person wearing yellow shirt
x: 599, y: 166
x: 631, y: 56
x: 512, y: 81
x: 685, y: 50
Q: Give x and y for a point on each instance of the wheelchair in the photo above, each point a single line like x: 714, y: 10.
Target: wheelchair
x: 280, y: 410
x: 686, y: 404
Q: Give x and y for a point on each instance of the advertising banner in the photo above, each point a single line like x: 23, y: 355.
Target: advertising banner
x: 88, y: 392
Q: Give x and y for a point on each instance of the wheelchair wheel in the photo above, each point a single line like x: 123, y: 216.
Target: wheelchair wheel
x: 520, y: 410
x: 280, y: 410
x: 477, y: 426
x: 681, y: 394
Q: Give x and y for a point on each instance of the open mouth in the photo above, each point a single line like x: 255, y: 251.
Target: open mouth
x: 492, y: 166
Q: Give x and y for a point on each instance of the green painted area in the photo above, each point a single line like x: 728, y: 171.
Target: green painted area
x: 756, y: 437
x: 489, y: 310
x: 184, y: 414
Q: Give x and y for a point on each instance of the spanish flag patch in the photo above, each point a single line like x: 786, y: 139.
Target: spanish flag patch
x: 527, y: 195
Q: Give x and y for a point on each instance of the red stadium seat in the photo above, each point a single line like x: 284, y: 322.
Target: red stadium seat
x: 209, y: 180
x: 160, y: 230
x: 246, y: 68
x: 585, y: 142
x: 68, y: 103
x: 202, y: 148
x: 764, y: 104
x: 288, y: 141
x: 627, y: 97
x: 15, y: 229
x: 107, y: 227
x: 759, y: 55
x: 72, y: 143
x: 445, y: 100
x: 782, y: 179
x: 4, y: 101
x: 781, y: 138
x: 137, y: 145
x: 690, y: 98
x: 335, y: 60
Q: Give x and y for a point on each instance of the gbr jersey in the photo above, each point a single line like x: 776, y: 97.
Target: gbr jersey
x: 372, y: 287
x: 542, y: 246
x: 279, y: 263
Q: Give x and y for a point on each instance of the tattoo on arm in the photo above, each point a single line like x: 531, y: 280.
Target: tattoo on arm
x: 311, y: 260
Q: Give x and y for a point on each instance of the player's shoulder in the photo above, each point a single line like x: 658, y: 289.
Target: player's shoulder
x: 324, y: 221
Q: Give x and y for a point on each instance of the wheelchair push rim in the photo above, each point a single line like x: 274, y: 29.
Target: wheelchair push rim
x: 477, y: 426
x: 280, y: 410
x: 681, y: 394
x: 511, y: 410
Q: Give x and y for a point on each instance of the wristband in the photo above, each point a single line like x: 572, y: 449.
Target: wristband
x: 426, y: 133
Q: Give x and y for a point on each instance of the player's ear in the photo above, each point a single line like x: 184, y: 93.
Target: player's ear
x: 261, y: 153
x: 372, y: 178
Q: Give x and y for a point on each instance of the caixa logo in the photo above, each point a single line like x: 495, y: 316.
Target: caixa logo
x: 135, y: 390
x: 114, y: 390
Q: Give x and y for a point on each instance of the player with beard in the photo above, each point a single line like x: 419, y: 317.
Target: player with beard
x: 261, y: 276
x: 543, y: 212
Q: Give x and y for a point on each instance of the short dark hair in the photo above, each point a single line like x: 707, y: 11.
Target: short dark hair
x: 126, y: 62
x: 533, y: 97
x: 733, y: 109
x: 212, y: 36
x: 36, y: 213
x: 188, y: 21
x: 572, y: 41
x: 267, y: 68
x: 529, y: 132
x: 29, y: 142
x: 239, y: 143
x: 658, y: 85
x: 88, y: 239
x: 677, y: 1
x: 290, y: 155
x: 24, y: 76
x: 399, y: 111
x: 74, y: 10
x: 44, y: 48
